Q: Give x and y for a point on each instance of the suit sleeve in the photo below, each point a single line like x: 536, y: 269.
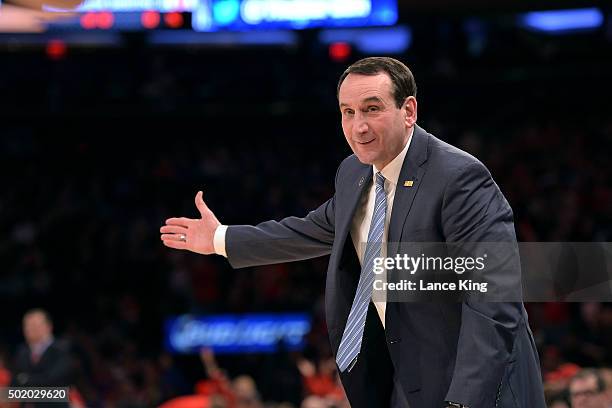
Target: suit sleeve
x: 475, y: 211
x: 291, y: 239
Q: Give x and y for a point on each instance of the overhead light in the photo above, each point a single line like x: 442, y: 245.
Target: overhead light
x: 559, y: 21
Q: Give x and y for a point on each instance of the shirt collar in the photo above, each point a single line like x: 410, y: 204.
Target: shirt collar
x: 391, y: 171
x: 40, y: 348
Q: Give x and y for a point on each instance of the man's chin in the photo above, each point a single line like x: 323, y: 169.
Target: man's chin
x: 365, y: 159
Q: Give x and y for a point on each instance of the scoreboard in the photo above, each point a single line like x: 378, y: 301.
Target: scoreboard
x: 230, y: 15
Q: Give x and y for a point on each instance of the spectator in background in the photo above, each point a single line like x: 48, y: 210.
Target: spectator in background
x: 321, y: 381
x: 41, y: 362
x: 606, y: 375
x: 217, y: 384
x: 587, y: 390
x: 247, y: 395
x: 558, y: 403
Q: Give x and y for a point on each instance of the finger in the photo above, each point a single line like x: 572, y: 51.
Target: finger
x: 175, y: 244
x: 173, y: 229
x: 50, y: 16
x: 182, y: 221
x: 199, y: 202
x: 172, y: 237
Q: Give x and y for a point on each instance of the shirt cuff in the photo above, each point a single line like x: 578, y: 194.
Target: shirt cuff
x: 219, y: 240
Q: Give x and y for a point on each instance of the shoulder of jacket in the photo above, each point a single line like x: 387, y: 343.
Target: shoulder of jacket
x: 452, y: 158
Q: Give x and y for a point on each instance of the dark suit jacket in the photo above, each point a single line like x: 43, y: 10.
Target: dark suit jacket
x: 52, y: 370
x: 481, y: 354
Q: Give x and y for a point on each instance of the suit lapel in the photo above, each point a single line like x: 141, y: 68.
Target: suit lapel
x: 412, y: 170
x: 344, y: 270
x: 352, y: 197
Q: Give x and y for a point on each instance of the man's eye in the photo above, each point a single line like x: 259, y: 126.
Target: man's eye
x: 348, y: 112
x: 373, y: 109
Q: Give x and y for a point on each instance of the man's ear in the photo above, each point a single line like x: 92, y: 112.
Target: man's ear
x: 410, y: 111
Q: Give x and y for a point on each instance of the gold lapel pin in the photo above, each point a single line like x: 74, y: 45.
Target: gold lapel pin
x: 408, y: 183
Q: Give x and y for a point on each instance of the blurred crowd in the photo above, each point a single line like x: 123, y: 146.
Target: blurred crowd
x: 104, y: 156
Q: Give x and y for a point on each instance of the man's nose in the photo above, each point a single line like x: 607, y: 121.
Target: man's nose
x: 361, y: 123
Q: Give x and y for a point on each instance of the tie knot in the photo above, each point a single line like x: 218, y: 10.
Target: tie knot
x: 380, y: 180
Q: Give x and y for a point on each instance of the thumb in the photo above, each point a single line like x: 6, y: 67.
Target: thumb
x: 199, y: 202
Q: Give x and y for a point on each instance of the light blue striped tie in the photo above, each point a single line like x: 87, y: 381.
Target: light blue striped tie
x: 350, y: 345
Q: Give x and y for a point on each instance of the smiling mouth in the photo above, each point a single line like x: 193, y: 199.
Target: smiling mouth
x: 365, y: 143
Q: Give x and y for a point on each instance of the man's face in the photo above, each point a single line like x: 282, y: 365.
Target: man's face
x: 584, y: 393
x: 36, y: 328
x: 374, y: 127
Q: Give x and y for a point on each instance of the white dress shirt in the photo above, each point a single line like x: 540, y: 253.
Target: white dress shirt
x: 360, y: 226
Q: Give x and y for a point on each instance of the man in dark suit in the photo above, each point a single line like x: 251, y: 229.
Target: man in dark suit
x: 401, y: 185
x: 41, y: 362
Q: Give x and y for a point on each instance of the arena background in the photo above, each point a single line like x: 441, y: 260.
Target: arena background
x: 102, y: 141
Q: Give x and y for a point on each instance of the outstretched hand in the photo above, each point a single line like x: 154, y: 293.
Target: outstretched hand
x: 194, y: 235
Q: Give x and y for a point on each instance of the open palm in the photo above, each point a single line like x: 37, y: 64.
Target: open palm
x: 194, y: 235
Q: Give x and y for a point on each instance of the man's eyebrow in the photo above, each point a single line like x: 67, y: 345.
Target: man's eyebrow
x: 372, y: 99
x: 366, y: 100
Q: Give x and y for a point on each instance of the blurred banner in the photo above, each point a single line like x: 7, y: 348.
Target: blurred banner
x: 249, y: 333
x: 207, y: 15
